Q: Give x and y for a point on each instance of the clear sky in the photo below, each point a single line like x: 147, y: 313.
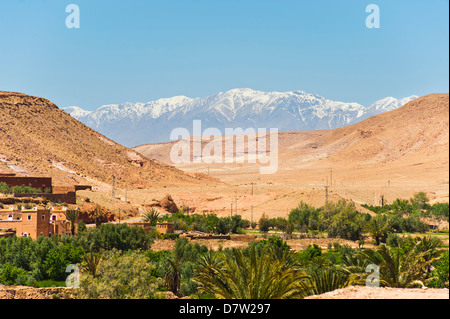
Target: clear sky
x: 137, y: 51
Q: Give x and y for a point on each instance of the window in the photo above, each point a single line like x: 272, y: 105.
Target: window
x: 29, y: 217
x: 43, y: 216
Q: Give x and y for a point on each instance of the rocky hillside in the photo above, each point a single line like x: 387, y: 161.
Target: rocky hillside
x: 39, y: 139
x: 412, y: 138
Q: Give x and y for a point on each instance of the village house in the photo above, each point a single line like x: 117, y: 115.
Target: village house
x: 35, y: 222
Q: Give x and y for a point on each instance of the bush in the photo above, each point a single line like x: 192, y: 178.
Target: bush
x: 264, y: 224
x: 120, y: 276
x: 59, y: 258
x: 304, y: 217
x: 347, y: 223
x: 420, y: 200
x: 115, y: 236
x: 411, y: 224
x: 440, y: 273
x: 171, y: 236
x: 393, y: 240
x: 10, y: 275
x: 309, y: 253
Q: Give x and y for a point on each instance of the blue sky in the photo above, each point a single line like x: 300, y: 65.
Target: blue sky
x: 137, y: 51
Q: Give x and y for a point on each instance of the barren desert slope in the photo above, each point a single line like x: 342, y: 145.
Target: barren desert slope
x: 39, y: 139
x: 393, y: 155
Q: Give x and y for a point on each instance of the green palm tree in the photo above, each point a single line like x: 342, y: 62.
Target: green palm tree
x: 398, y: 268
x: 151, y: 216
x: 92, y: 261
x: 72, y: 216
x: 172, y: 278
x: 323, y: 276
x: 328, y: 279
x: 429, y: 244
x: 257, y: 276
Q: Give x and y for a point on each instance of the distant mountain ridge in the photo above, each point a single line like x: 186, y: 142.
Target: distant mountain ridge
x: 132, y: 124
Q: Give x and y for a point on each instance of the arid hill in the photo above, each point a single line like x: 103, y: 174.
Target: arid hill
x: 421, y: 127
x: 39, y: 139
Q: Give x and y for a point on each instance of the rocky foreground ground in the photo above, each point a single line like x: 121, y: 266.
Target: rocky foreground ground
x: 22, y: 292
x: 362, y: 292
x: 352, y: 292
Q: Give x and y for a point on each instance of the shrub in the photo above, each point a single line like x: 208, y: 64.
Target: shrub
x: 171, y: 236
x: 264, y: 223
x: 120, y: 276
x: 420, y: 200
x: 10, y: 275
x: 59, y: 258
x: 304, y: 216
x: 309, y: 253
x: 440, y: 273
x: 347, y: 223
x: 115, y: 236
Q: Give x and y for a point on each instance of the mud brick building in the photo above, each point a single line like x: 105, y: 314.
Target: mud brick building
x: 35, y: 222
x: 61, y: 194
x: 43, y: 183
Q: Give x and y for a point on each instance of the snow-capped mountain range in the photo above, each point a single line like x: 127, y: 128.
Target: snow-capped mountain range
x: 132, y: 124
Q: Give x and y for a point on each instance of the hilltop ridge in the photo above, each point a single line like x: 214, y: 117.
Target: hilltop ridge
x: 37, y: 138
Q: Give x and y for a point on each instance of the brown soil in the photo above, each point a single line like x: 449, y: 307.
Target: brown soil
x: 362, y: 292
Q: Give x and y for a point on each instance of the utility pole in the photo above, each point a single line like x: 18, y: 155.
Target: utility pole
x: 331, y: 176
x: 114, y: 186
x: 252, y: 215
x: 326, y: 193
x: 231, y: 210
x: 252, y: 188
x: 235, y: 198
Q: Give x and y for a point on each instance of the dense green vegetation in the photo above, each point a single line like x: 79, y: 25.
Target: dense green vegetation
x: 208, y: 223
x: 117, y: 261
x: 24, y: 261
x: 414, y: 208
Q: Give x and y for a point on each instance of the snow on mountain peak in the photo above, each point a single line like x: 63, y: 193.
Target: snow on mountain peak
x: 132, y: 124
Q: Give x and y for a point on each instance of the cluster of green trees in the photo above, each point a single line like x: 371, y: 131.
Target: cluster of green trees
x: 208, y: 223
x: 415, y: 207
x: 339, y: 219
x: 342, y: 220
x: 24, y: 261
x: 5, y: 189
